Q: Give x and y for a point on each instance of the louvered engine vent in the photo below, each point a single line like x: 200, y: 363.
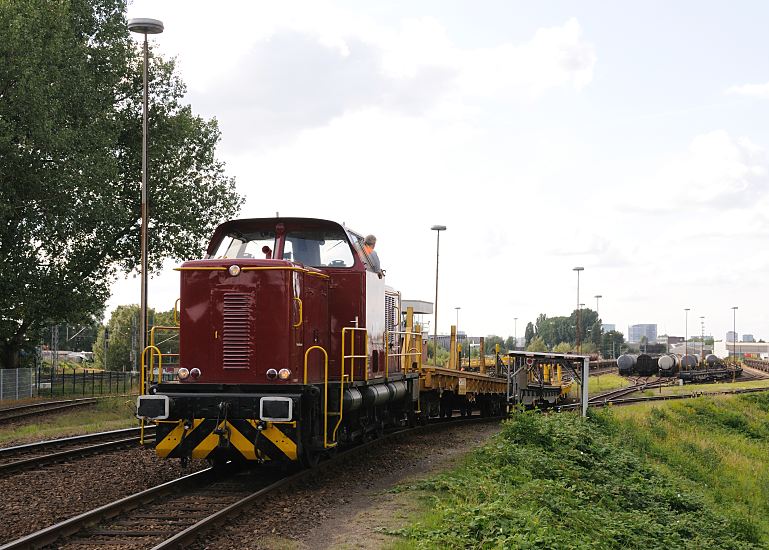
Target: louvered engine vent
x: 236, y: 330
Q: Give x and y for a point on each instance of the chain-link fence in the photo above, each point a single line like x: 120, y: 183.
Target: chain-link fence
x: 17, y: 383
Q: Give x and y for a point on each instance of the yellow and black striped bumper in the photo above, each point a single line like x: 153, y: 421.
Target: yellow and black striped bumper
x: 236, y: 438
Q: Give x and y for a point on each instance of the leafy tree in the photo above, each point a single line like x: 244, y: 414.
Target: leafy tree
x: 529, y: 334
x: 537, y: 344
x: 491, y: 340
x: 70, y: 143
x: 587, y: 318
x: 563, y: 347
x: 541, y: 318
x: 123, y: 326
x: 611, y: 342
x: 510, y: 343
x: 596, y: 332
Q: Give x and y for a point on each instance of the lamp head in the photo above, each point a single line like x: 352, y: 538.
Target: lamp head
x: 143, y: 25
x: 438, y: 228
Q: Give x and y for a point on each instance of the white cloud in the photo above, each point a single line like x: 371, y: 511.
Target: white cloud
x: 293, y: 76
x: 751, y: 90
x: 554, y: 57
x: 717, y: 171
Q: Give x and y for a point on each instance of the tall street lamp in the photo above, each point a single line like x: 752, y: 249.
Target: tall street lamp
x: 734, y: 332
x: 579, y: 343
x: 686, y: 333
x: 702, y: 336
x: 457, y: 310
x: 144, y: 26
x: 597, y: 297
x: 515, y: 333
x: 438, y: 229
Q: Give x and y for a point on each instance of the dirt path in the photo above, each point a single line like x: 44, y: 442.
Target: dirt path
x: 351, y: 509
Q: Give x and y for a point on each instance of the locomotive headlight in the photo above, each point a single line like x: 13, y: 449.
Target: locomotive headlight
x: 195, y: 373
x: 234, y: 270
x: 183, y: 373
x: 272, y: 374
x: 284, y: 374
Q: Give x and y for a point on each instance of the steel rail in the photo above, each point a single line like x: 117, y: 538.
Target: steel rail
x: 43, y: 409
x: 60, y: 456
x: 54, y: 443
x: 78, y: 523
x: 188, y: 536
x: 75, y: 524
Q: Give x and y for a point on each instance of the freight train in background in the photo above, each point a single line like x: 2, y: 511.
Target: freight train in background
x: 688, y: 367
x: 291, y: 345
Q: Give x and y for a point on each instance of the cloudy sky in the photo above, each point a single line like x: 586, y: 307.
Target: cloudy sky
x: 629, y: 138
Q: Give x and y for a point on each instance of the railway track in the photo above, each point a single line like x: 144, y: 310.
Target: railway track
x: 10, y: 414
x: 643, y: 399
x: 174, y: 514
x: 34, y: 455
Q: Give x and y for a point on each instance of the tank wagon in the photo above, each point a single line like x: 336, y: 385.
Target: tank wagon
x: 626, y: 364
x: 291, y: 344
x: 669, y: 365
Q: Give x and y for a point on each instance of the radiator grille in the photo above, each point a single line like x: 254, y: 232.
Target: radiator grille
x: 236, y: 330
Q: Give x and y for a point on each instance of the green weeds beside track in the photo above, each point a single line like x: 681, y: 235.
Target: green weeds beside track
x: 680, y: 475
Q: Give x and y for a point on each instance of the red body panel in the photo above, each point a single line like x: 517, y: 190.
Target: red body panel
x: 235, y: 328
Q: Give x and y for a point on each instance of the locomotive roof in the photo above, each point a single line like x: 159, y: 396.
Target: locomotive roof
x: 247, y: 224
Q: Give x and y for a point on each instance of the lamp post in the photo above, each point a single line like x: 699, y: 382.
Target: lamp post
x: 686, y: 334
x: 579, y: 343
x: 734, y: 332
x: 144, y: 26
x: 438, y: 229
x: 515, y: 333
x: 702, y: 336
x: 597, y: 297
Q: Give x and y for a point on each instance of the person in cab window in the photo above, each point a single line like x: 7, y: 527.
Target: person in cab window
x: 368, y: 246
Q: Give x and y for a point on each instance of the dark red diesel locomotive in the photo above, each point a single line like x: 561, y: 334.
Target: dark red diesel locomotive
x: 289, y: 346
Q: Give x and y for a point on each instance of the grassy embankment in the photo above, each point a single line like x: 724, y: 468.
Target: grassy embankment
x: 106, y: 414
x: 602, y: 383
x: 687, y: 474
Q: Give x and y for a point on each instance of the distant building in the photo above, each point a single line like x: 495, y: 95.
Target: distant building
x: 606, y: 327
x: 743, y: 349
x: 636, y: 332
x: 731, y: 336
x: 748, y: 338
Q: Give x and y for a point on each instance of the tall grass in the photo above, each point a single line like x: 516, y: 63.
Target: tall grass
x: 557, y: 481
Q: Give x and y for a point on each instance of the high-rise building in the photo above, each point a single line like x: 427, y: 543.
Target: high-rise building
x: 607, y: 327
x: 636, y: 332
x: 748, y: 338
x: 731, y: 336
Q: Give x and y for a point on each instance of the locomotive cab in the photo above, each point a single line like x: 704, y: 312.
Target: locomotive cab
x: 289, y: 344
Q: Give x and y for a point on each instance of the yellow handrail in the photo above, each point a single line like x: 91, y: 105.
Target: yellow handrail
x: 352, y: 355
x: 152, y: 340
x: 176, y: 311
x: 408, y: 353
x: 326, y: 444
x: 306, y: 353
x: 299, y: 324
x: 152, y: 349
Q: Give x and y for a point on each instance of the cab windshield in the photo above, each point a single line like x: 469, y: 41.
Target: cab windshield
x: 254, y: 244
x: 318, y: 248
